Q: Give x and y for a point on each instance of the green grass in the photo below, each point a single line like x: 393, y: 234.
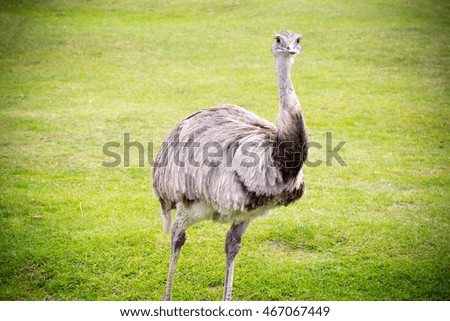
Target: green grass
x: 77, y: 74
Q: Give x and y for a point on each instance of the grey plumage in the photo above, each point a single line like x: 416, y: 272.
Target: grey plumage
x: 231, y: 166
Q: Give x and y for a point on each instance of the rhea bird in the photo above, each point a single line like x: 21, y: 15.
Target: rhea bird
x: 262, y: 169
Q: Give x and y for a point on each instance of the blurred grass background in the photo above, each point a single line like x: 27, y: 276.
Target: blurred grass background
x: 77, y: 74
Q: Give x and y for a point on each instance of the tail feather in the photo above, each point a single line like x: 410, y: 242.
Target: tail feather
x: 167, y: 217
x: 166, y: 212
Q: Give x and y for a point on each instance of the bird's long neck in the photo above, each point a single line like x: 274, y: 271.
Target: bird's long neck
x: 290, y: 118
x: 291, y: 131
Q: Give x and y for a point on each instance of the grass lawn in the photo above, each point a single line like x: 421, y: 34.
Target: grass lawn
x: 75, y: 75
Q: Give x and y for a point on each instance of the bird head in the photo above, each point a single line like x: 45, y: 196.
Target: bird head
x: 287, y: 43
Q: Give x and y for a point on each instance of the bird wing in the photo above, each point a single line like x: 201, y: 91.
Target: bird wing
x: 247, y: 141
x: 218, y: 155
x: 254, y: 166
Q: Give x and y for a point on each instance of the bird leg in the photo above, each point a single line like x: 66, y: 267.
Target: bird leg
x: 178, y: 239
x: 232, y: 247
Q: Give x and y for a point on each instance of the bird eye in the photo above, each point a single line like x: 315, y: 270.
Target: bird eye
x: 278, y: 39
x: 298, y: 40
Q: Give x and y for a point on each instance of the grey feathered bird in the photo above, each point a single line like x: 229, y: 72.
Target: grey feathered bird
x: 228, y: 165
